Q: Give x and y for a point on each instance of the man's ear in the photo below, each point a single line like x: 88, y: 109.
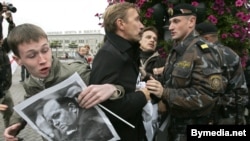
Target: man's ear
x: 18, y: 60
x: 120, y: 24
x: 193, y: 21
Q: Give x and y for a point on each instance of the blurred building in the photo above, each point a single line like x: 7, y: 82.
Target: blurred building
x: 67, y: 42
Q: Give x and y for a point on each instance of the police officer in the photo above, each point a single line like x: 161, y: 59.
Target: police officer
x: 193, y: 75
x: 226, y: 111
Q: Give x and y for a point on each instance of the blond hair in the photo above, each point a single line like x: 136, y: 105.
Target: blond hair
x: 114, y: 12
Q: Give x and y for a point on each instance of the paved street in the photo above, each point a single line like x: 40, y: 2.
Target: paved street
x: 17, y: 91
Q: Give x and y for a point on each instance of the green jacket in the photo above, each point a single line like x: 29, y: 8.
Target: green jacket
x: 59, y: 72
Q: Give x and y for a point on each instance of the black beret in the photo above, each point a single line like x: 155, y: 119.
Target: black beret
x: 206, y: 28
x: 182, y: 9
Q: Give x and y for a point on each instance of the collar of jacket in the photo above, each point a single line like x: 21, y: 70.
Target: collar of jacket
x: 146, y: 54
x: 180, y: 47
x: 120, y: 43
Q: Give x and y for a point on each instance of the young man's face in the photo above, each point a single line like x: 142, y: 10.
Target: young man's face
x: 148, y: 41
x: 181, y: 26
x: 132, y: 26
x: 36, y: 57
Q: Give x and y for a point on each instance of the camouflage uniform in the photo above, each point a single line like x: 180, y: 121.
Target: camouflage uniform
x: 193, y: 78
x: 229, y: 109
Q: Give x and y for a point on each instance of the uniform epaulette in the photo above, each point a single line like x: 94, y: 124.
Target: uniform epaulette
x: 203, y: 46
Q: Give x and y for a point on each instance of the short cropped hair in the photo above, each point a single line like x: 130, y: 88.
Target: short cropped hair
x: 114, y: 12
x: 149, y: 28
x: 24, y: 33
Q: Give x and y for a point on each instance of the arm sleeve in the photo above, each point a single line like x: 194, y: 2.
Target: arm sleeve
x: 106, y: 69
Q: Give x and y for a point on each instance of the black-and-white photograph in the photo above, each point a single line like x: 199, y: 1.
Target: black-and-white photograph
x: 54, y: 113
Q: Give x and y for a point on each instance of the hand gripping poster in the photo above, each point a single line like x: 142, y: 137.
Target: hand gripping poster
x: 54, y: 113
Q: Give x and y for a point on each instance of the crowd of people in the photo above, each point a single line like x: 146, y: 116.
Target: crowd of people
x: 201, y: 82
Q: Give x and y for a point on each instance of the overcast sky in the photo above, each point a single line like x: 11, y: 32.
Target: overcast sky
x: 58, y: 15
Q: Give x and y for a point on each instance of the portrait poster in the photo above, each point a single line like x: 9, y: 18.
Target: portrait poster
x: 55, y: 114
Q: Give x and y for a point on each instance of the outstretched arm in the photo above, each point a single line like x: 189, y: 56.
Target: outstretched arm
x: 95, y: 94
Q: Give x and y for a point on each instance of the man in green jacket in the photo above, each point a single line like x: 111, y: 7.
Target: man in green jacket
x: 30, y: 46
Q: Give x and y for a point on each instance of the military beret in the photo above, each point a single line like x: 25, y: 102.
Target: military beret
x: 206, y: 28
x: 182, y: 9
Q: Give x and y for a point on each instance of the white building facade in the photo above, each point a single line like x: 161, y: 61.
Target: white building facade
x: 93, y: 38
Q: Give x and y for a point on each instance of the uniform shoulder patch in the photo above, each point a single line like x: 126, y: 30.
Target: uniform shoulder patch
x: 203, y: 46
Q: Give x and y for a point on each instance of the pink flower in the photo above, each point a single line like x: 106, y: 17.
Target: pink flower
x: 148, y: 15
x: 240, y: 14
x: 245, y: 18
x: 239, y: 3
x: 149, y: 12
x: 194, y: 3
x: 97, y: 15
x: 243, y: 61
x: 140, y: 3
x: 236, y: 34
x: 221, y: 3
x: 212, y: 19
x: 224, y: 36
x: 235, y: 26
x: 244, y: 58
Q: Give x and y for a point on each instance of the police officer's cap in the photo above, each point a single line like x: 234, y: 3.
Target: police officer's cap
x: 206, y: 28
x: 182, y: 9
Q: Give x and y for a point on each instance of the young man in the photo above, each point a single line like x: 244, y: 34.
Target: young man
x: 227, y: 112
x: 149, y: 61
x: 30, y: 46
x: 117, y: 62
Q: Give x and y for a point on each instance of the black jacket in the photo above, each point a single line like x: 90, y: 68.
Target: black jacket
x: 117, y: 62
x: 5, y: 72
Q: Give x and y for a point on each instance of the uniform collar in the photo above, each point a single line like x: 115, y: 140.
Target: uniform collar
x: 180, y: 47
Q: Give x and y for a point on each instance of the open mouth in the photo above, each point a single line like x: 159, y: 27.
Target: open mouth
x: 44, y: 70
